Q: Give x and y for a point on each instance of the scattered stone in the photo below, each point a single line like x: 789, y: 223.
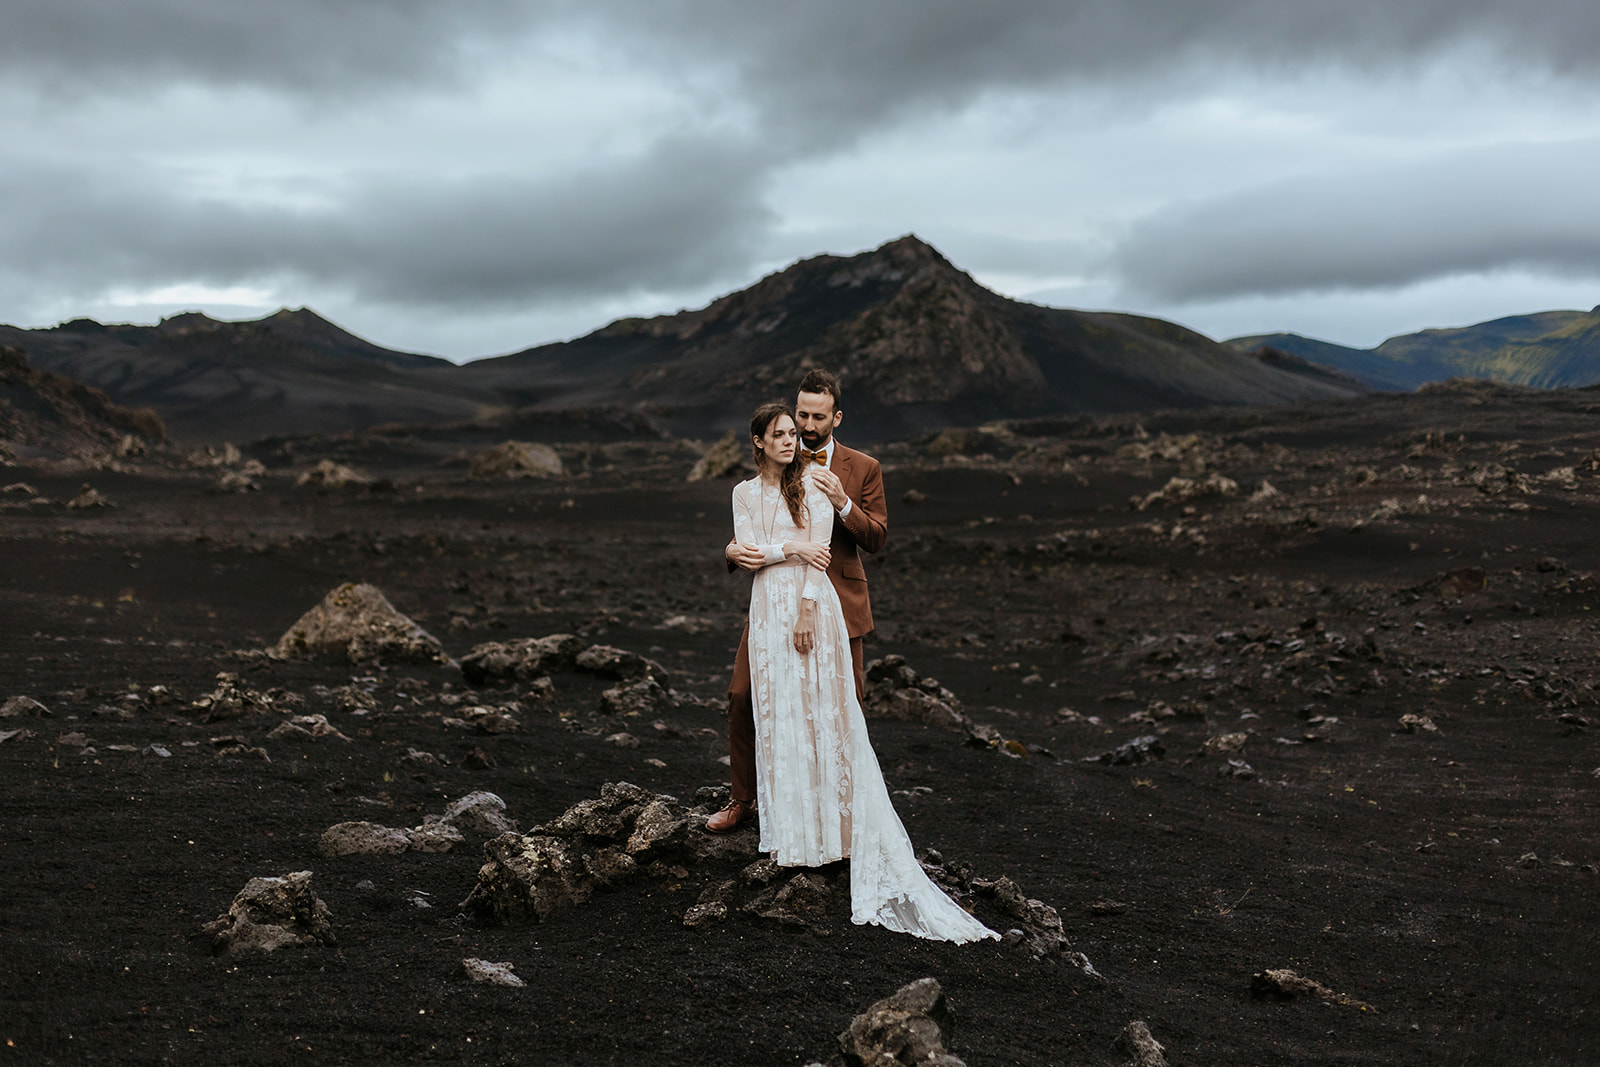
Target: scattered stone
x: 493, y: 973
x: 907, y: 1028
x: 485, y: 720
x: 235, y: 745
x: 479, y: 760
x: 801, y: 902
x: 1237, y: 768
x: 1265, y: 491
x: 761, y: 872
x: 645, y: 697
x: 1410, y: 723
x: 705, y: 914
x: 362, y: 839
x: 434, y: 837
x: 1283, y: 984
x: 73, y: 739
x: 728, y: 458
x: 89, y: 497
x: 689, y: 624
x: 270, y: 913
x: 1137, y: 1041
x: 1528, y: 861
x: 230, y: 700
x: 20, y: 488
x: 523, y: 660
x: 612, y: 662
x: 595, y: 843
x: 623, y: 740
x: 1219, y: 743
x: 895, y: 691
x: 236, y: 482
x: 305, y: 728
x: 1182, y: 490
x: 23, y: 707
x: 479, y: 813
x: 914, y: 496
x: 330, y: 475
x: 516, y: 459
x: 358, y: 623
x: 1132, y: 753
x: 15, y: 735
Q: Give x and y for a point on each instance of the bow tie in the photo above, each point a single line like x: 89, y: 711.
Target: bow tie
x: 814, y: 457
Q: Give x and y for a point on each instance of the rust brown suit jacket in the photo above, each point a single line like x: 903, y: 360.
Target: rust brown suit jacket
x: 866, y: 527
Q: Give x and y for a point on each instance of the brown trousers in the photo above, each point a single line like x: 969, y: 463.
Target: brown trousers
x: 742, y: 716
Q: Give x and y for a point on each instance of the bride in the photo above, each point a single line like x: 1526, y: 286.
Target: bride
x: 819, y: 791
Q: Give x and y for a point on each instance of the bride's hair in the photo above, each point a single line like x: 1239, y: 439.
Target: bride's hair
x: 790, y: 481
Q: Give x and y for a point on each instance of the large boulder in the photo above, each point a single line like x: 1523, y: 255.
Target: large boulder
x: 516, y: 459
x: 479, y: 813
x: 907, y: 1028
x: 271, y: 913
x: 358, y: 623
x: 522, y: 660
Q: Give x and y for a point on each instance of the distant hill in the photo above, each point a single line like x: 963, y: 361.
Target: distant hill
x: 918, y: 344
x: 1547, y: 350
x: 43, y: 413
x: 292, y: 371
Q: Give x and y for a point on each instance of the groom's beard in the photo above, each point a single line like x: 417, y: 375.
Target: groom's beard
x: 814, y: 441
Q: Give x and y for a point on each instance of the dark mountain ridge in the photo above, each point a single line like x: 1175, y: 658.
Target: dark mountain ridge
x: 918, y: 344
x: 1547, y: 350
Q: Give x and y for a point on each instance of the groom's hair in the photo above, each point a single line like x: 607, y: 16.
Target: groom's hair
x: 820, y: 381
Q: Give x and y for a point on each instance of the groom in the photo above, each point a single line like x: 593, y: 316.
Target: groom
x: 853, y: 483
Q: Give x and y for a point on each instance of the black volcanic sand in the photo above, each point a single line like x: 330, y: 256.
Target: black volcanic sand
x: 1446, y: 879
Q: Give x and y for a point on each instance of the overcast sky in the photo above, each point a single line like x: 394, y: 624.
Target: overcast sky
x: 478, y: 176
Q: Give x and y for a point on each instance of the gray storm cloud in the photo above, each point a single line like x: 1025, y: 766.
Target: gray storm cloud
x: 819, y: 77
x: 1532, y: 207
x: 838, y: 60
x: 667, y: 218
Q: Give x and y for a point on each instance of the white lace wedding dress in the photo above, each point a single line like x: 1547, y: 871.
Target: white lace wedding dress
x: 819, y: 791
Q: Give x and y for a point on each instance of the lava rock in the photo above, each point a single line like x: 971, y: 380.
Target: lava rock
x: 637, y: 699
x: 20, y: 707
x: 516, y: 459
x: 705, y: 914
x: 330, y: 475
x: 524, y: 660
x: 1284, y: 984
x: 479, y: 813
x: 493, y: 973
x: 1140, y: 750
x: 271, y: 913
x: 230, y: 700
x: 727, y: 458
x: 907, y: 1028
x: 559, y: 864
x: 1137, y: 1040
x: 358, y: 623
x: 612, y: 662
x: 362, y: 839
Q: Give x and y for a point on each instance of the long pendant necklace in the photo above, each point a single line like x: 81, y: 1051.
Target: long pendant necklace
x: 769, y: 523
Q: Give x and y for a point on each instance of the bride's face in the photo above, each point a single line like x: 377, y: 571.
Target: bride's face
x: 778, y: 443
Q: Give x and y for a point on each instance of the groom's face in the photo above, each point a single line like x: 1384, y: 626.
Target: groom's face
x: 816, y: 417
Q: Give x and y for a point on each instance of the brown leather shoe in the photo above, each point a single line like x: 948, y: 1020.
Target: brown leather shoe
x: 729, y: 818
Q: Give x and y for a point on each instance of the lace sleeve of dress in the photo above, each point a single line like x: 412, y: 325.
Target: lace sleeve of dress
x: 746, y: 499
x: 819, y: 531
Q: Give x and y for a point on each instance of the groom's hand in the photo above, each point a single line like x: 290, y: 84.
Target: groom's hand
x: 831, y: 487
x: 747, y: 557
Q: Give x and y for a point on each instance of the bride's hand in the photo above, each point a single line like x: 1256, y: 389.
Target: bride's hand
x: 805, y: 628
x: 815, y: 553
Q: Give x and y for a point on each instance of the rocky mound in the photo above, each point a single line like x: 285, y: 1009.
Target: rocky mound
x: 51, y: 415
x: 357, y: 623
